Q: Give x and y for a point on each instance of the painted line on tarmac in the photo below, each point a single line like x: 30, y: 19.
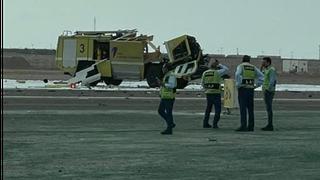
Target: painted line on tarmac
x: 85, y: 131
x: 140, y: 98
x: 102, y: 112
x: 124, y: 112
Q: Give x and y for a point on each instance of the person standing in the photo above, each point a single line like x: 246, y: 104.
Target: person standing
x: 268, y: 89
x: 167, y: 94
x: 211, y: 81
x: 248, y: 77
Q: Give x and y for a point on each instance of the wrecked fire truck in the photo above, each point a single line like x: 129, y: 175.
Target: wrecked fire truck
x: 91, y: 57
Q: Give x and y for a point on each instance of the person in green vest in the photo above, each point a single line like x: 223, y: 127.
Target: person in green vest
x: 248, y: 77
x: 167, y: 94
x: 268, y: 88
x: 211, y: 81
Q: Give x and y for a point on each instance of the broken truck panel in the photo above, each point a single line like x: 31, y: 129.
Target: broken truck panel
x: 127, y: 59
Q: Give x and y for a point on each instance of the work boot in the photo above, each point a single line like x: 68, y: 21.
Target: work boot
x: 267, y: 128
x: 215, y: 126
x: 207, y: 126
x: 242, y: 129
x: 168, y: 131
x: 251, y: 129
x: 173, y: 125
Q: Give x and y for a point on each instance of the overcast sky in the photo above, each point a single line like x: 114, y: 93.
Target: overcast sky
x: 255, y: 27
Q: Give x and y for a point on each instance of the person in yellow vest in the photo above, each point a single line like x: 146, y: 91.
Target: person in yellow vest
x: 268, y: 88
x: 211, y: 82
x: 167, y: 94
x: 247, y: 77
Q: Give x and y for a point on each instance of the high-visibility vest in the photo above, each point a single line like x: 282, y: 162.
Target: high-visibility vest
x: 266, y: 80
x: 165, y: 92
x: 212, y: 82
x: 248, y: 75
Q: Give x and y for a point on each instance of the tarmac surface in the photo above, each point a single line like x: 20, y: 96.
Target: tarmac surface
x: 50, y: 134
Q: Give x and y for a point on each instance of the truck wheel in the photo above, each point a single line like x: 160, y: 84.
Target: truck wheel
x: 116, y: 82
x: 181, y: 83
x: 153, y: 73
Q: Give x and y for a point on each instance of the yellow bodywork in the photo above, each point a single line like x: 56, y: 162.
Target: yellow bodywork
x: 83, y: 50
x: 127, y: 57
x: 83, y: 47
x: 104, y: 68
x: 93, y: 56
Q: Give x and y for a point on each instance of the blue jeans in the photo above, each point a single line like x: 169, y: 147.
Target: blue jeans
x: 268, y: 97
x: 213, y: 99
x: 245, y: 98
x: 165, y: 111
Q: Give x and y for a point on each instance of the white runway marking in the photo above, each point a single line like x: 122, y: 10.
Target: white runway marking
x: 102, y: 112
x: 123, y: 112
x: 139, y: 98
x: 132, y: 86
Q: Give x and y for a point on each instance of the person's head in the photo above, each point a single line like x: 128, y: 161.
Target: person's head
x: 266, y: 61
x: 213, y: 64
x: 246, y: 58
x: 165, y: 68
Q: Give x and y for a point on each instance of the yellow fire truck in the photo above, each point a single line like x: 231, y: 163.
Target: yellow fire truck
x: 112, y: 56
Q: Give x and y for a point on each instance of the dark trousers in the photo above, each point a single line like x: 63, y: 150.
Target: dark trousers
x: 268, y: 98
x: 165, y: 111
x: 245, y: 97
x: 213, y: 99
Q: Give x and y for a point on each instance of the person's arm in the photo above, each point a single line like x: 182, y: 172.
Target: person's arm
x: 223, y: 69
x: 260, y: 77
x: 202, y: 79
x: 238, y: 76
x: 273, y: 79
x: 171, y: 82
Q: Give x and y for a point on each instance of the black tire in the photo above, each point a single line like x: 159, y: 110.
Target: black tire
x: 181, y: 83
x: 153, y: 74
x: 115, y: 82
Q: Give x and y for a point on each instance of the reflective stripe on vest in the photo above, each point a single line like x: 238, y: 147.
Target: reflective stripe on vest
x: 248, y: 75
x: 212, y: 82
x: 167, y: 93
x: 266, y: 81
